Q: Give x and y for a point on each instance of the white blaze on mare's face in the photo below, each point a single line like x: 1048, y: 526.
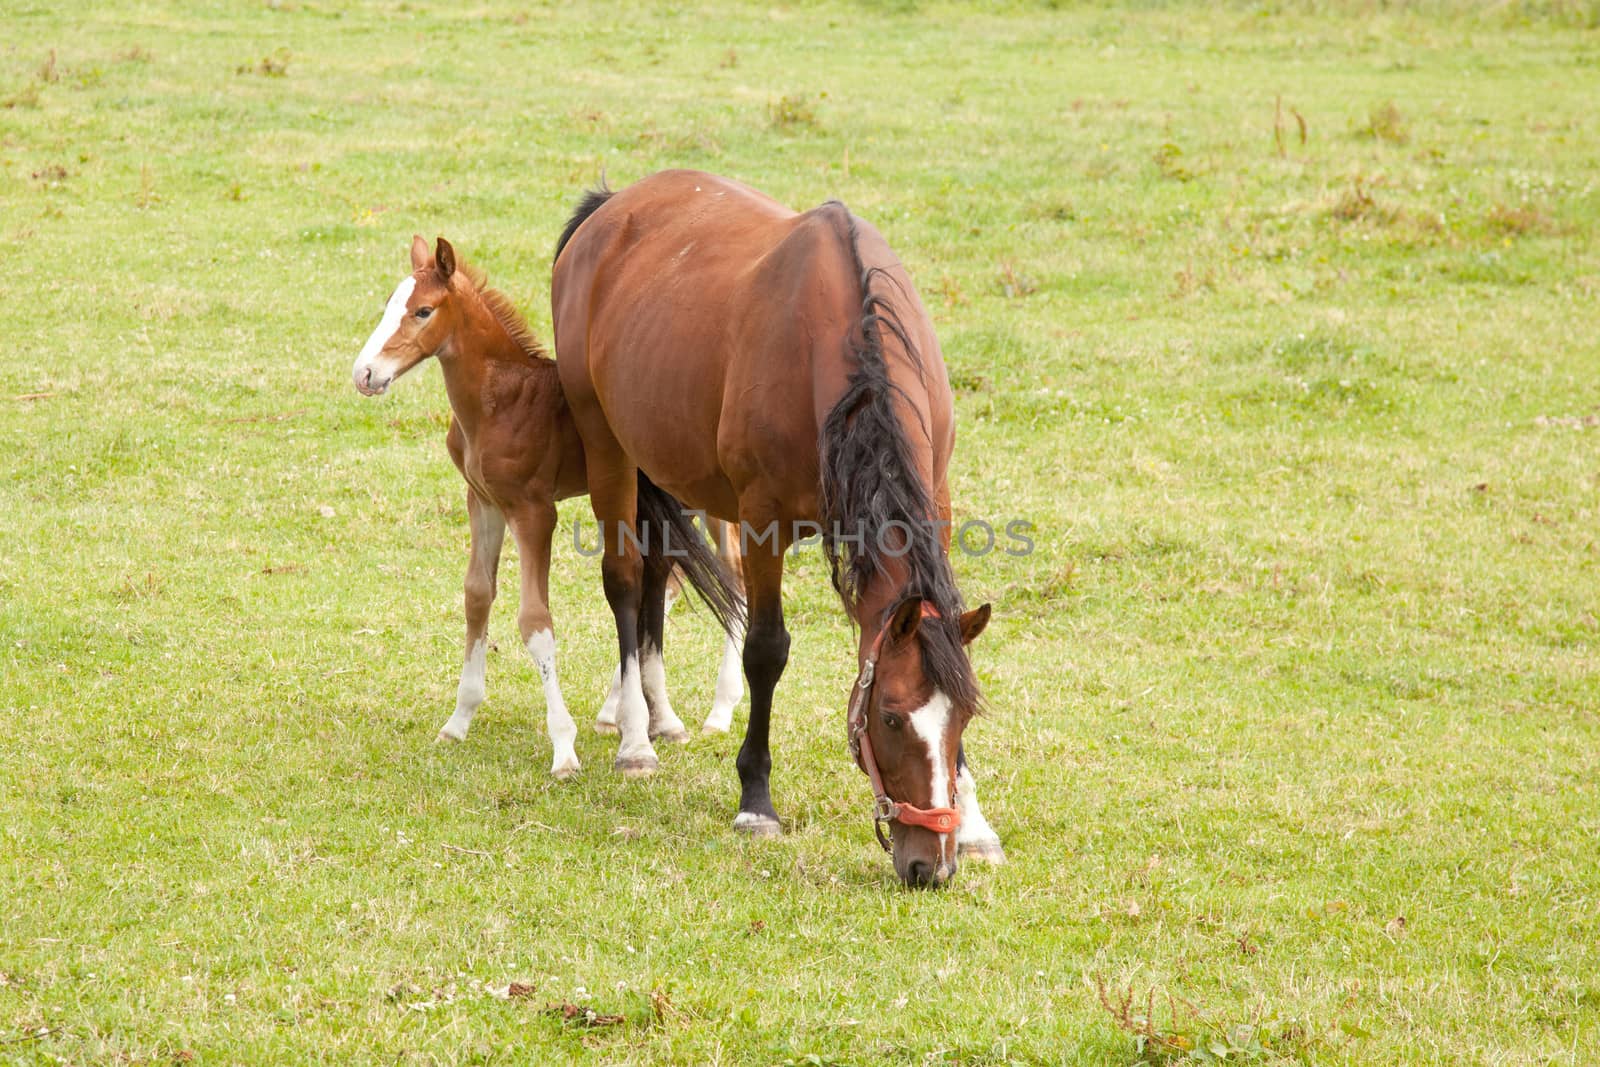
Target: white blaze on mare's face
x: 393, y: 315
x: 930, y: 722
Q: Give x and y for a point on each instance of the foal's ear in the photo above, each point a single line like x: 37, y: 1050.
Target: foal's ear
x: 419, y: 252
x: 445, y: 256
x: 905, y: 620
x: 973, y: 623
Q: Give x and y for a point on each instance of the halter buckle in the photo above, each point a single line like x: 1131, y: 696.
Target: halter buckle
x: 884, y: 809
x: 868, y: 669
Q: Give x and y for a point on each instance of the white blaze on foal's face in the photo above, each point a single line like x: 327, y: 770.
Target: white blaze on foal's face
x: 415, y: 323
x: 373, y: 373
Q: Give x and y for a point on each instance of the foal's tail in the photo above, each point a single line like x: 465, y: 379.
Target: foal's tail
x: 666, y: 530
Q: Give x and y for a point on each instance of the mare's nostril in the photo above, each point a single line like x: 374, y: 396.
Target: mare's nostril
x: 919, y: 873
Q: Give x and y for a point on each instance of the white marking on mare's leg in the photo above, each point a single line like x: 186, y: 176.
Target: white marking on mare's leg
x: 606, y: 721
x: 664, y: 722
x: 975, y: 838
x: 730, y: 687
x: 930, y: 722
x: 563, y: 731
x: 393, y: 314
x: 469, y: 694
x: 636, y: 757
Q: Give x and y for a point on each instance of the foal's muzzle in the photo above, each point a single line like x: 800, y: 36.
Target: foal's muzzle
x: 367, y: 385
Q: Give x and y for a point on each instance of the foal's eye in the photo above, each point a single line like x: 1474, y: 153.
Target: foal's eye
x: 423, y: 313
x: 891, y: 720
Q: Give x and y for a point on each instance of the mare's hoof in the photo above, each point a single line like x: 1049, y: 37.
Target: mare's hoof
x: 569, y: 769
x: 445, y: 737
x: 712, y: 730
x: 756, y: 825
x: 676, y: 737
x: 636, y: 766
x: 606, y: 728
x: 982, y: 851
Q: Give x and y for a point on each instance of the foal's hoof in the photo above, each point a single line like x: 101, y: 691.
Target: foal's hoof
x: 982, y: 851
x: 679, y: 736
x: 712, y: 729
x: 445, y: 737
x: 747, y: 822
x: 606, y: 728
x: 566, y: 769
x: 636, y: 766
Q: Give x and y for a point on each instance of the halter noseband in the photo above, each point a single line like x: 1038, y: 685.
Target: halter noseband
x: 884, y: 810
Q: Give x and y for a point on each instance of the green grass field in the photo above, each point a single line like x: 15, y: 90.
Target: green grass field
x: 1279, y: 321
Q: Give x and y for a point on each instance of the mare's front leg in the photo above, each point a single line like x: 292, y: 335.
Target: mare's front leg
x: 766, y: 652
x: 488, y: 535
x: 534, y: 527
x: 975, y: 838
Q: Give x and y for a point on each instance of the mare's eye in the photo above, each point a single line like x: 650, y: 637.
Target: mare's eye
x: 891, y: 720
x: 423, y: 313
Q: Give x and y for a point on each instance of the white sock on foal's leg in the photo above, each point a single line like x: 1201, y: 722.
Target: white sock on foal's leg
x: 469, y: 694
x: 606, y: 721
x: 975, y: 838
x: 563, y: 731
x: 730, y: 687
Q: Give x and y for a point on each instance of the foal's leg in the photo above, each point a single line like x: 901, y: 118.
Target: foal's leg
x: 766, y: 651
x: 533, y: 529
x: 975, y: 838
x: 488, y: 534
x: 730, y: 676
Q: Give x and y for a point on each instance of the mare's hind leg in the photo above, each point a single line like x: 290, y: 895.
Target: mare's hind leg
x: 730, y: 676
x: 488, y: 535
x: 766, y: 652
x: 534, y: 528
x: 606, y: 721
x: 664, y: 723
x: 975, y: 838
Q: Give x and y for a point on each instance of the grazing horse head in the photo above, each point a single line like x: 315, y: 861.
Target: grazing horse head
x: 418, y: 321
x: 905, y: 732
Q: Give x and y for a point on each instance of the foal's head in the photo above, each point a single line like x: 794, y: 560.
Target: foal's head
x: 419, y: 320
x: 919, y: 699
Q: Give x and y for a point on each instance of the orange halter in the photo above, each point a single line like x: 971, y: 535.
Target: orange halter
x: 939, y: 820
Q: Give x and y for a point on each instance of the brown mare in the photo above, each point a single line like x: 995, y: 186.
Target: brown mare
x: 514, y: 442
x: 778, y: 370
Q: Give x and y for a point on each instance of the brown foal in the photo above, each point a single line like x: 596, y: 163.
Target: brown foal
x: 513, y: 439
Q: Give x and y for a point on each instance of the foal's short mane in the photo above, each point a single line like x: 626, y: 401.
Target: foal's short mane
x: 869, y: 481
x: 504, y: 311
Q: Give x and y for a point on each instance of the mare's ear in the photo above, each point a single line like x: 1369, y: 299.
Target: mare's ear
x: 419, y: 252
x: 972, y: 624
x: 445, y: 256
x: 905, y: 620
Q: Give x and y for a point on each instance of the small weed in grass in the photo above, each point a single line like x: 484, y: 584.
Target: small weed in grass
x: 275, y: 65
x: 1518, y: 221
x: 1169, y: 162
x: 792, y: 111
x: 1386, y: 123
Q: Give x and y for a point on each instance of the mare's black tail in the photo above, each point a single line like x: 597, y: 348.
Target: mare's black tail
x: 667, y: 530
